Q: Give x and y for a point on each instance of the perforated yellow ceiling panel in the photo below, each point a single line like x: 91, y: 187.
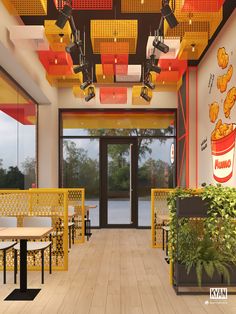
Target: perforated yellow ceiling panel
x: 26, y: 7
x: 114, y: 31
x: 140, y: 6
x: 192, y: 45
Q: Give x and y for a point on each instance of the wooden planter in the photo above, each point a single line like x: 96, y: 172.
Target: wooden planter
x: 184, y: 279
x: 191, y: 207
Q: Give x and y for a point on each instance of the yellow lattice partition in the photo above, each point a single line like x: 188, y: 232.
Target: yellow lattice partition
x: 103, y: 31
x: 76, y: 198
x: 159, y: 214
x: 64, y: 81
x: 58, y: 38
x: 51, y: 203
x: 102, y: 78
x: 141, y: 6
x: 213, y: 18
x: 26, y: 7
x: 192, y: 45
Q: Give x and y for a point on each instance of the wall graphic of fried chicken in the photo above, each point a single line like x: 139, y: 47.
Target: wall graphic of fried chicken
x: 229, y: 101
x: 214, y: 111
x: 222, y: 57
x: 221, y: 130
x: 223, y: 80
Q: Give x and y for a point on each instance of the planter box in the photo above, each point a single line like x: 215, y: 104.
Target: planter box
x: 191, y: 207
x: 184, y: 279
x: 232, y: 272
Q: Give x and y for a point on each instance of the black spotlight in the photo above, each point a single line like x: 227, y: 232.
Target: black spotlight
x: 147, y: 82
x: 144, y: 94
x: 91, y: 94
x: 63, y: 16
x: 168, y: 14
x: 155, y: 68
x: 80, y: 68
x: 70, y: 47
x: 160, y: 46
x: 85, y: 84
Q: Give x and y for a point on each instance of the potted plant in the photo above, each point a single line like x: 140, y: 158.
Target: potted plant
x: 203, y: 251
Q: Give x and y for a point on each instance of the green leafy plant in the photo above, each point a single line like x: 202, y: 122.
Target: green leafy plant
x: 207, y: 244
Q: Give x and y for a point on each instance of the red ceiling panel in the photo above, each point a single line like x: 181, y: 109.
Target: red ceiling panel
x: 86, y: 4
x: 118, y: 62
x: 202, y: 5
x: 56, y: 62
x: 113, y: 95
x: 173, y: 65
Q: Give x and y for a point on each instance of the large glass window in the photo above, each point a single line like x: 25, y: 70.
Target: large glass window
x: 18, y: 127
x: 80, y: 142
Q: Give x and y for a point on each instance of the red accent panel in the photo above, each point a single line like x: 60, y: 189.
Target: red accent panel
x: 168, y: 76
x: 113, y: 95
x: 56, y: 62
x: 202, y: 5
x: 119, y: 64
x: 187, y: 129
x: 175, y: 64
x: 196, y: 127
x: 20, y: 112
x: 85, y: 4
x: 182, y: 110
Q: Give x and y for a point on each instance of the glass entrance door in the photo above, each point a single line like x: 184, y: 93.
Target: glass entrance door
x: 118, y: 182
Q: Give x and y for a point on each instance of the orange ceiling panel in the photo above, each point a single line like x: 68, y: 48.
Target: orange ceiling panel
x: 102, y: 77
x: 192, y: 45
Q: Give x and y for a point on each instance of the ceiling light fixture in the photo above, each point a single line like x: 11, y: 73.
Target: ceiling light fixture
x: 160, y: 45
x: 64, y: 16
x: 91, y: 94
x: 148, y: 81
x: 61, y: 37
x: 168, y: 14
x: 193, y: 47
x: 144, y: 94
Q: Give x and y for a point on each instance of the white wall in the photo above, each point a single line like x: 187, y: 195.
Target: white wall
x: 208, y: 70
x: 24, y: 66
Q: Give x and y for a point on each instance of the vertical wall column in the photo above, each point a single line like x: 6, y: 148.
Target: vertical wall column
x: 48, y: 146
x: 193, y: 125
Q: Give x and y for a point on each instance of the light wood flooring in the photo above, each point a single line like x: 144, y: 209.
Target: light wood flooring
x: 117, y: 271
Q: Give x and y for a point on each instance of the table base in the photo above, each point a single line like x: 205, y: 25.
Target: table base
x: 17, y: 295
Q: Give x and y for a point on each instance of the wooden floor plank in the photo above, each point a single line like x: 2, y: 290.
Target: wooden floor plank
x: 116, y: 272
